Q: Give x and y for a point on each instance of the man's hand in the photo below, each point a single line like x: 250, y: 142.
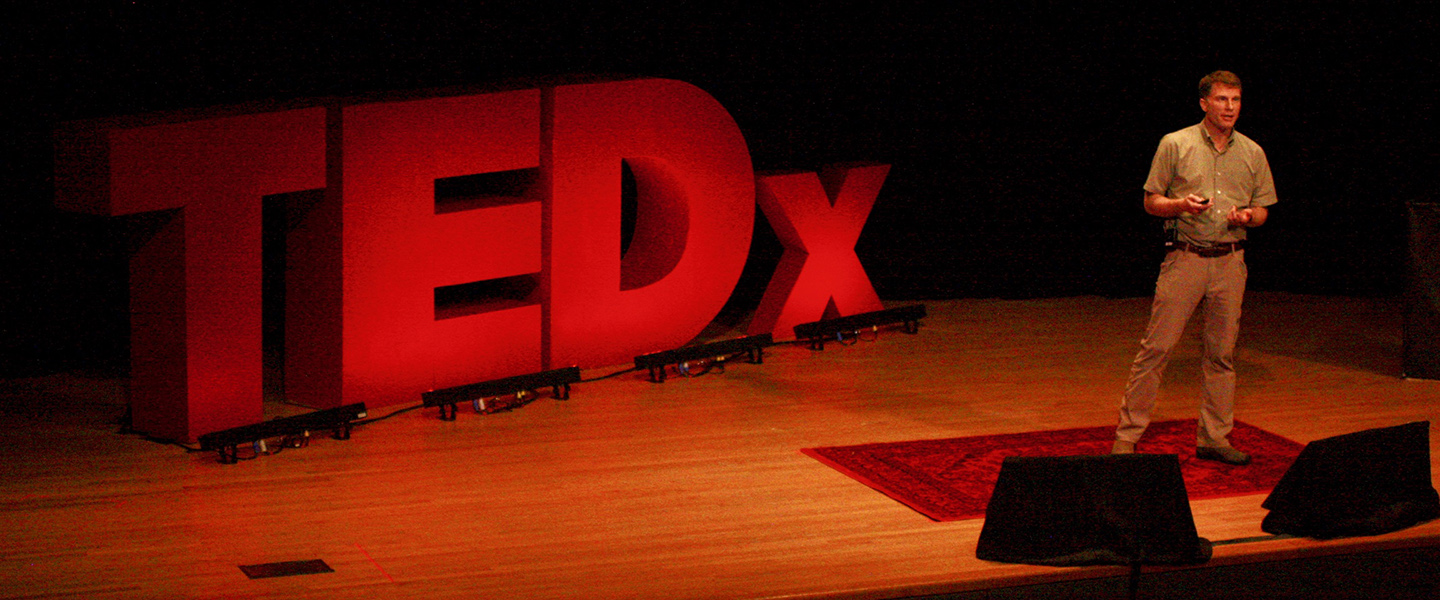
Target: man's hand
x: 1194, y: 204
x: 1242, y: 217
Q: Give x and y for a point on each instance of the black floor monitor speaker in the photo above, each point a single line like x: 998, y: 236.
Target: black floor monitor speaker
x: 1088, y: 510
x: 1365, y: 483
x: 1422, y: 296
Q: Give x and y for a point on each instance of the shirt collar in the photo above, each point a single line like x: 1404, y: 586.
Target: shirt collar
x: 1205, y: 133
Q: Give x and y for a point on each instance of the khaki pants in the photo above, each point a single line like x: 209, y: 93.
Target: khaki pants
x: 1186, y: 281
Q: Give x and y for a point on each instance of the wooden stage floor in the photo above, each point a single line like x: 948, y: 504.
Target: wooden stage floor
x: 694, y: 488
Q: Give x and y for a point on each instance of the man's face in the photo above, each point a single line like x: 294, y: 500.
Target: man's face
x: 1222, y: 106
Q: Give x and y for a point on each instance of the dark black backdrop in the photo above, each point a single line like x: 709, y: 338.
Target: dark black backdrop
x: 1019, y: 132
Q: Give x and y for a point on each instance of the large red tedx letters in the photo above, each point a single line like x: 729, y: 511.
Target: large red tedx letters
x: 696, y: 209
x: 818, y: 218
x: 195, y: 276
x: 442, y: 240
x: 402, y: 241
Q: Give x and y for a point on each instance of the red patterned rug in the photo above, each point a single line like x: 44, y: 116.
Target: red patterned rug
x: 951, y: 479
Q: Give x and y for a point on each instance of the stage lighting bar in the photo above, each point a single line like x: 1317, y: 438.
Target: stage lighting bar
x: 488, y: 396
x: 753, y: 346
x: 817, y: 332
x: 337, y: 420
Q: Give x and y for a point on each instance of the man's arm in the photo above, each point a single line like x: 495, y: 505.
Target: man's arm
x: 1164, y: 206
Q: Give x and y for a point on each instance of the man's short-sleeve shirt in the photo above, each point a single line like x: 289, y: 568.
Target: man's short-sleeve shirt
x: 1238, y: 176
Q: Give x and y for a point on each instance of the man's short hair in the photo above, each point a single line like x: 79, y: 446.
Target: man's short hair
x: 1220, y: 77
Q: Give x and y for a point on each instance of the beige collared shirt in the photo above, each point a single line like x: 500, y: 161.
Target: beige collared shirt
x: 1237, y: 177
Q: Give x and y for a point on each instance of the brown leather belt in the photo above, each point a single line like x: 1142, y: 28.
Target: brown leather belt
x: 1209, y: 251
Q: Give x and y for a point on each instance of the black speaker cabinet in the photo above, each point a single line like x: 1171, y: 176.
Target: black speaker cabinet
x: 1088, y: 510
x: 1365, y: 483
x: 1422, y: 296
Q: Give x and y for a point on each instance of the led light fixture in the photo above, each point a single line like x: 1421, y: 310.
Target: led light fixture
x: 753, y: 346
x: 491, y: 396
x: 819, y: 331
x: 337, y: 420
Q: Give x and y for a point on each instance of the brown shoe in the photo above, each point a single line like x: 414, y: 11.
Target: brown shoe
x: 1226, y: 454
x: 1123, y: 447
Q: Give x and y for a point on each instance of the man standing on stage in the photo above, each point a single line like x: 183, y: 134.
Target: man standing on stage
x: 1210, y: 183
